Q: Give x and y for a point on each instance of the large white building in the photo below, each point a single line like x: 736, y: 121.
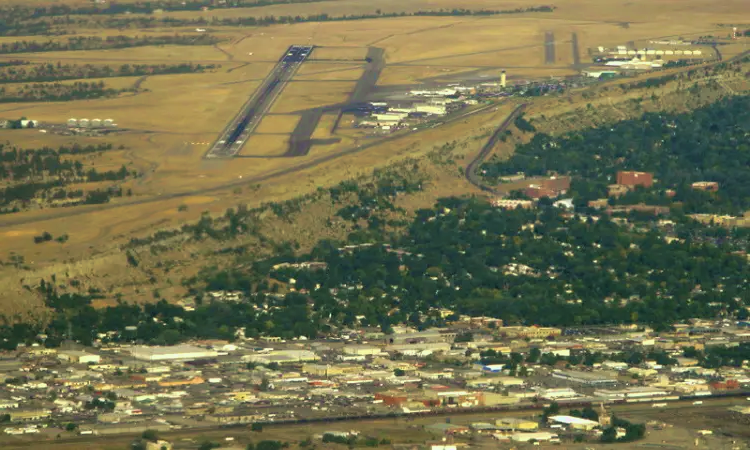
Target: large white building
x: 173, y: 353
x: 282, y: 357
x: 78, y: 357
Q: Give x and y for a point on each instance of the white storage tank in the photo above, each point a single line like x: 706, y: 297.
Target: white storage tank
x: 72, y: 123
x: 83, y: 123
x: 96, y: 123
x: 108, y: 122
x: 668, y: 52
x: 688, y: 52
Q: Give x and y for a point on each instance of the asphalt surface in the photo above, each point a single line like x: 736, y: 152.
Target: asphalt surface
x: 576, y: 50
x: 549, y: 48
x: 300, y: 141
x: 235, y: 134
x: 366, y: 82
x: 471, y: 169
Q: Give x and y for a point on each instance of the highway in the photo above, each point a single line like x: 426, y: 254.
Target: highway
x: 235, y: 134
x: 471, y: 169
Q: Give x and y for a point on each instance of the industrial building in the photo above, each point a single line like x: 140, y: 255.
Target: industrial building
x: 173, y: 353
x: 587, y: 378
x: 282, y: 357
x: 77, y: 356
x: 539, y: 436
x: 554, y: 394
x: 575, y: 423
x: 514, y: 424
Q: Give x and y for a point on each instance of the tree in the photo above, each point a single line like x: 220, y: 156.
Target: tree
x: 533, y: 355
x: 150, y: 435
x: 257, y: 427
x: 609, y: 435
x: 552, y: 410
x: 71, y: 426
x: 399, y: 373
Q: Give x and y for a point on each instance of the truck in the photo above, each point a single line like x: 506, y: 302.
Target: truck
x: 659, y: 405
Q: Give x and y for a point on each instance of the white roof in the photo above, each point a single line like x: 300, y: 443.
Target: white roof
x: 573, y: 420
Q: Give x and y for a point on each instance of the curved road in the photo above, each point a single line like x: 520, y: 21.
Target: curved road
x: 471, y: 169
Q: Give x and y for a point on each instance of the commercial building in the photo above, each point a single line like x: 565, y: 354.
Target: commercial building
x: 632, y: 393
x: 512, y: 423
x: 587, y: 378
x: 361, y: 350
x: 282, y: 357
x: 539, y: 436
x: 575, y: 423
x: 438, y: 110
x: 420, y: 337
x: 78, y: 357
x: 173, y: 353
x: 554, y: 394
x: 530, y: 332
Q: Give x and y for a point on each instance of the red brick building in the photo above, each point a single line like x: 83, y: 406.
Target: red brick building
x: 632, y: 179
x: 559, y: 184
x: 536, y: 192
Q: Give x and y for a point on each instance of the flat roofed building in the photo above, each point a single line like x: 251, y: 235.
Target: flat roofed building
x: 588, y: 378
x: 78, y: 356
x: 539, y: 436
x: 575, y: 422
x: 174, y: 353
x: 513, y: 423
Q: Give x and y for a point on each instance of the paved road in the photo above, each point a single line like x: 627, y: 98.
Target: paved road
x: 235, y: 134
x: 471, y: 169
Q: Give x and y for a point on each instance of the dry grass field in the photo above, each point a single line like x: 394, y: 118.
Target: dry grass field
x: 173, y: 118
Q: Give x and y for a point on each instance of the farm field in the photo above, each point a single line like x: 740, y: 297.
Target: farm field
x: 170, y: 121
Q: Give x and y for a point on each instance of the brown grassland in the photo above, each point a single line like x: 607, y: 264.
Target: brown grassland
x: 173, y: 117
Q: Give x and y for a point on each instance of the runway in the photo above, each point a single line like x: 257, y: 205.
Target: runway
x: 235, y: 134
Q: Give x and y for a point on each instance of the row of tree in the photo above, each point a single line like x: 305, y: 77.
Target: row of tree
x: 58, y: 92
x: 99, y: 43
x: 24, y: 72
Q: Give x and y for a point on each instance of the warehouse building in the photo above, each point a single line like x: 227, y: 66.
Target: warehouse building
x: 575, y: 423
x: 173, y: 353
x: 78, y: 357
x: 587, y: 378
x: 282, y: 357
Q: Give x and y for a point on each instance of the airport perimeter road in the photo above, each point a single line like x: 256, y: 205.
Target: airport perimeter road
x: 235, y: 134
x: 471, y: 169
